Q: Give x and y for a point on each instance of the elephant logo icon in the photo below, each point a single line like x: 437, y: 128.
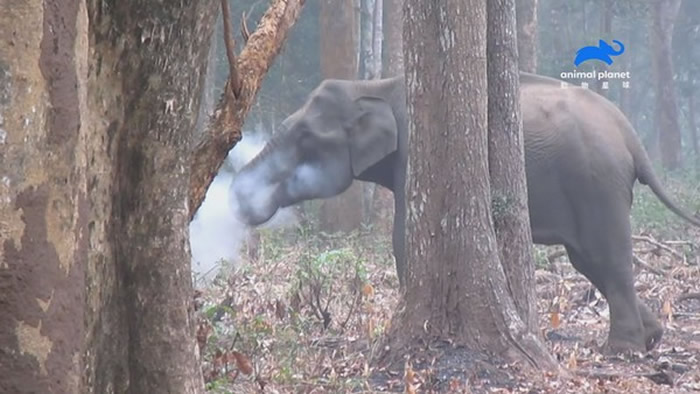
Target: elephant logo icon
x: 602, y: 52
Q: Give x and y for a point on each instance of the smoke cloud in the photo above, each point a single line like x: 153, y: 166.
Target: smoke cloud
x: 216, y: 234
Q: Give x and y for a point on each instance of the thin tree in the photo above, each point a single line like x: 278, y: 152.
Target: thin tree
x: 526, y: 13
x: 393, y: 38
x: 666, y: 124
x: 338, y: 60
x: 456, y: 287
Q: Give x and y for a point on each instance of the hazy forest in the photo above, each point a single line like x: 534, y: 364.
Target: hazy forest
x: 335, y: 196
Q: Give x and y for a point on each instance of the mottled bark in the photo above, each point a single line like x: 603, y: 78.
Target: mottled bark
x: 455, y: 285
x: 393, y: 38
x: 666, y: 124
x: 43, y: 200
x: 526, y: 11
x: 253, y: 62
x: 339, y: 60
x: 506, y: 156
x: 149, y: 62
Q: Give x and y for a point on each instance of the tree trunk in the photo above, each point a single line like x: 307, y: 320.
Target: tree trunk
x: 393, y: 40
x: 367, y: 8
x: 663, y: 16
x: 527, y: 34
x: 606, y: 15
x: 149, y: 71
x: 507, y: 161
x: 693, y: 127
x: 455, y: 285
x: 338, y: 60
x: 43, y: 197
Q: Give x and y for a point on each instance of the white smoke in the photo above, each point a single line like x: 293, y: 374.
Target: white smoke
x: 216, y: 235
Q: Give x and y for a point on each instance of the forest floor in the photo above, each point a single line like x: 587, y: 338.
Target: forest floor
x: 305, y: 313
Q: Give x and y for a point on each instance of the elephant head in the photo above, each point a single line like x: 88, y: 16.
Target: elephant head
x: 332, y: 139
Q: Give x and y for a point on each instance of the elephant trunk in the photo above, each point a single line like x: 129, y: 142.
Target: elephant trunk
x: 254, y: 189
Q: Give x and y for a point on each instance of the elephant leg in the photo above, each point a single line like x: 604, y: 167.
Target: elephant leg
x: 652, y: 329
x: 603, y: 253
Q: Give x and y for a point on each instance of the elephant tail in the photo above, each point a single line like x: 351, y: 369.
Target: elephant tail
x: 646, y: 175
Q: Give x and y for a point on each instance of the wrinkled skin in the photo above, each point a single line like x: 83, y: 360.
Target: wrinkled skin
x: 582, y: 160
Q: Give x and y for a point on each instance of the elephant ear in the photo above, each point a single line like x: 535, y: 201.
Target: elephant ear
x: 372, y: 133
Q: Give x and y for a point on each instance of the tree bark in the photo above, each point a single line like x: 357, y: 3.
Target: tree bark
x: 338, y: 60
x: 257, y: 56
x: 393, y: 40
x: 507, y: 161
x: 149, y: 65
x: 43, y: 197
x: 526, y: 12
x: 663, y: 16
x: 455, y: 285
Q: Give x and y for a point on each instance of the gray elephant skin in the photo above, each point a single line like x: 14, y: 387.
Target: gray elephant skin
x: 582, y: 160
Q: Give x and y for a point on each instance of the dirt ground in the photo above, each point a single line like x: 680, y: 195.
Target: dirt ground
x: 306, y: 314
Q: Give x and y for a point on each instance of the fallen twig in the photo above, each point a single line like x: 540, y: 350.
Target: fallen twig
x: 658, y: 377
x: 643, y: 264
x: 658, y: 244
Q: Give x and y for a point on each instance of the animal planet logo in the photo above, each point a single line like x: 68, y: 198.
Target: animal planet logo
x: 604, y: 53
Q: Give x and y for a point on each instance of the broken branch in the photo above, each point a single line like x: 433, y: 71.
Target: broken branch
x: 658, y: 244
x: 225, y: 128
x: 643, y: 264
x: 245, y: 33
x: 235, y: 83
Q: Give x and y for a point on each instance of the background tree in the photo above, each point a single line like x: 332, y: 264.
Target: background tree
x: 455, y: 286
x: 338, y: 37
x: 393, y: 38
x: 668, y: 134
x: 526, y: 13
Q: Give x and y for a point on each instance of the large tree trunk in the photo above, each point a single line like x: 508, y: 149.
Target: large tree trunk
x: 527, y: 34
x: 44, y: 210
x: 663, y: 16
x: 149, y: 65
x: 338, y: 60
x: 507, y: 161
x: 455, y: 285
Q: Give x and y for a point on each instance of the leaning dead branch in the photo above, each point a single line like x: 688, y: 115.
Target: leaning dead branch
x: 252, y: 64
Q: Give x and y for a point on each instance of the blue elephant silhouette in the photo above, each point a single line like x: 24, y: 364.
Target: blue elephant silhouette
x: 602, y: 52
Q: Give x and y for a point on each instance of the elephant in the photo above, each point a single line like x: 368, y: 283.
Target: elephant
x: 582, y: 158
x: 602, y: 52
